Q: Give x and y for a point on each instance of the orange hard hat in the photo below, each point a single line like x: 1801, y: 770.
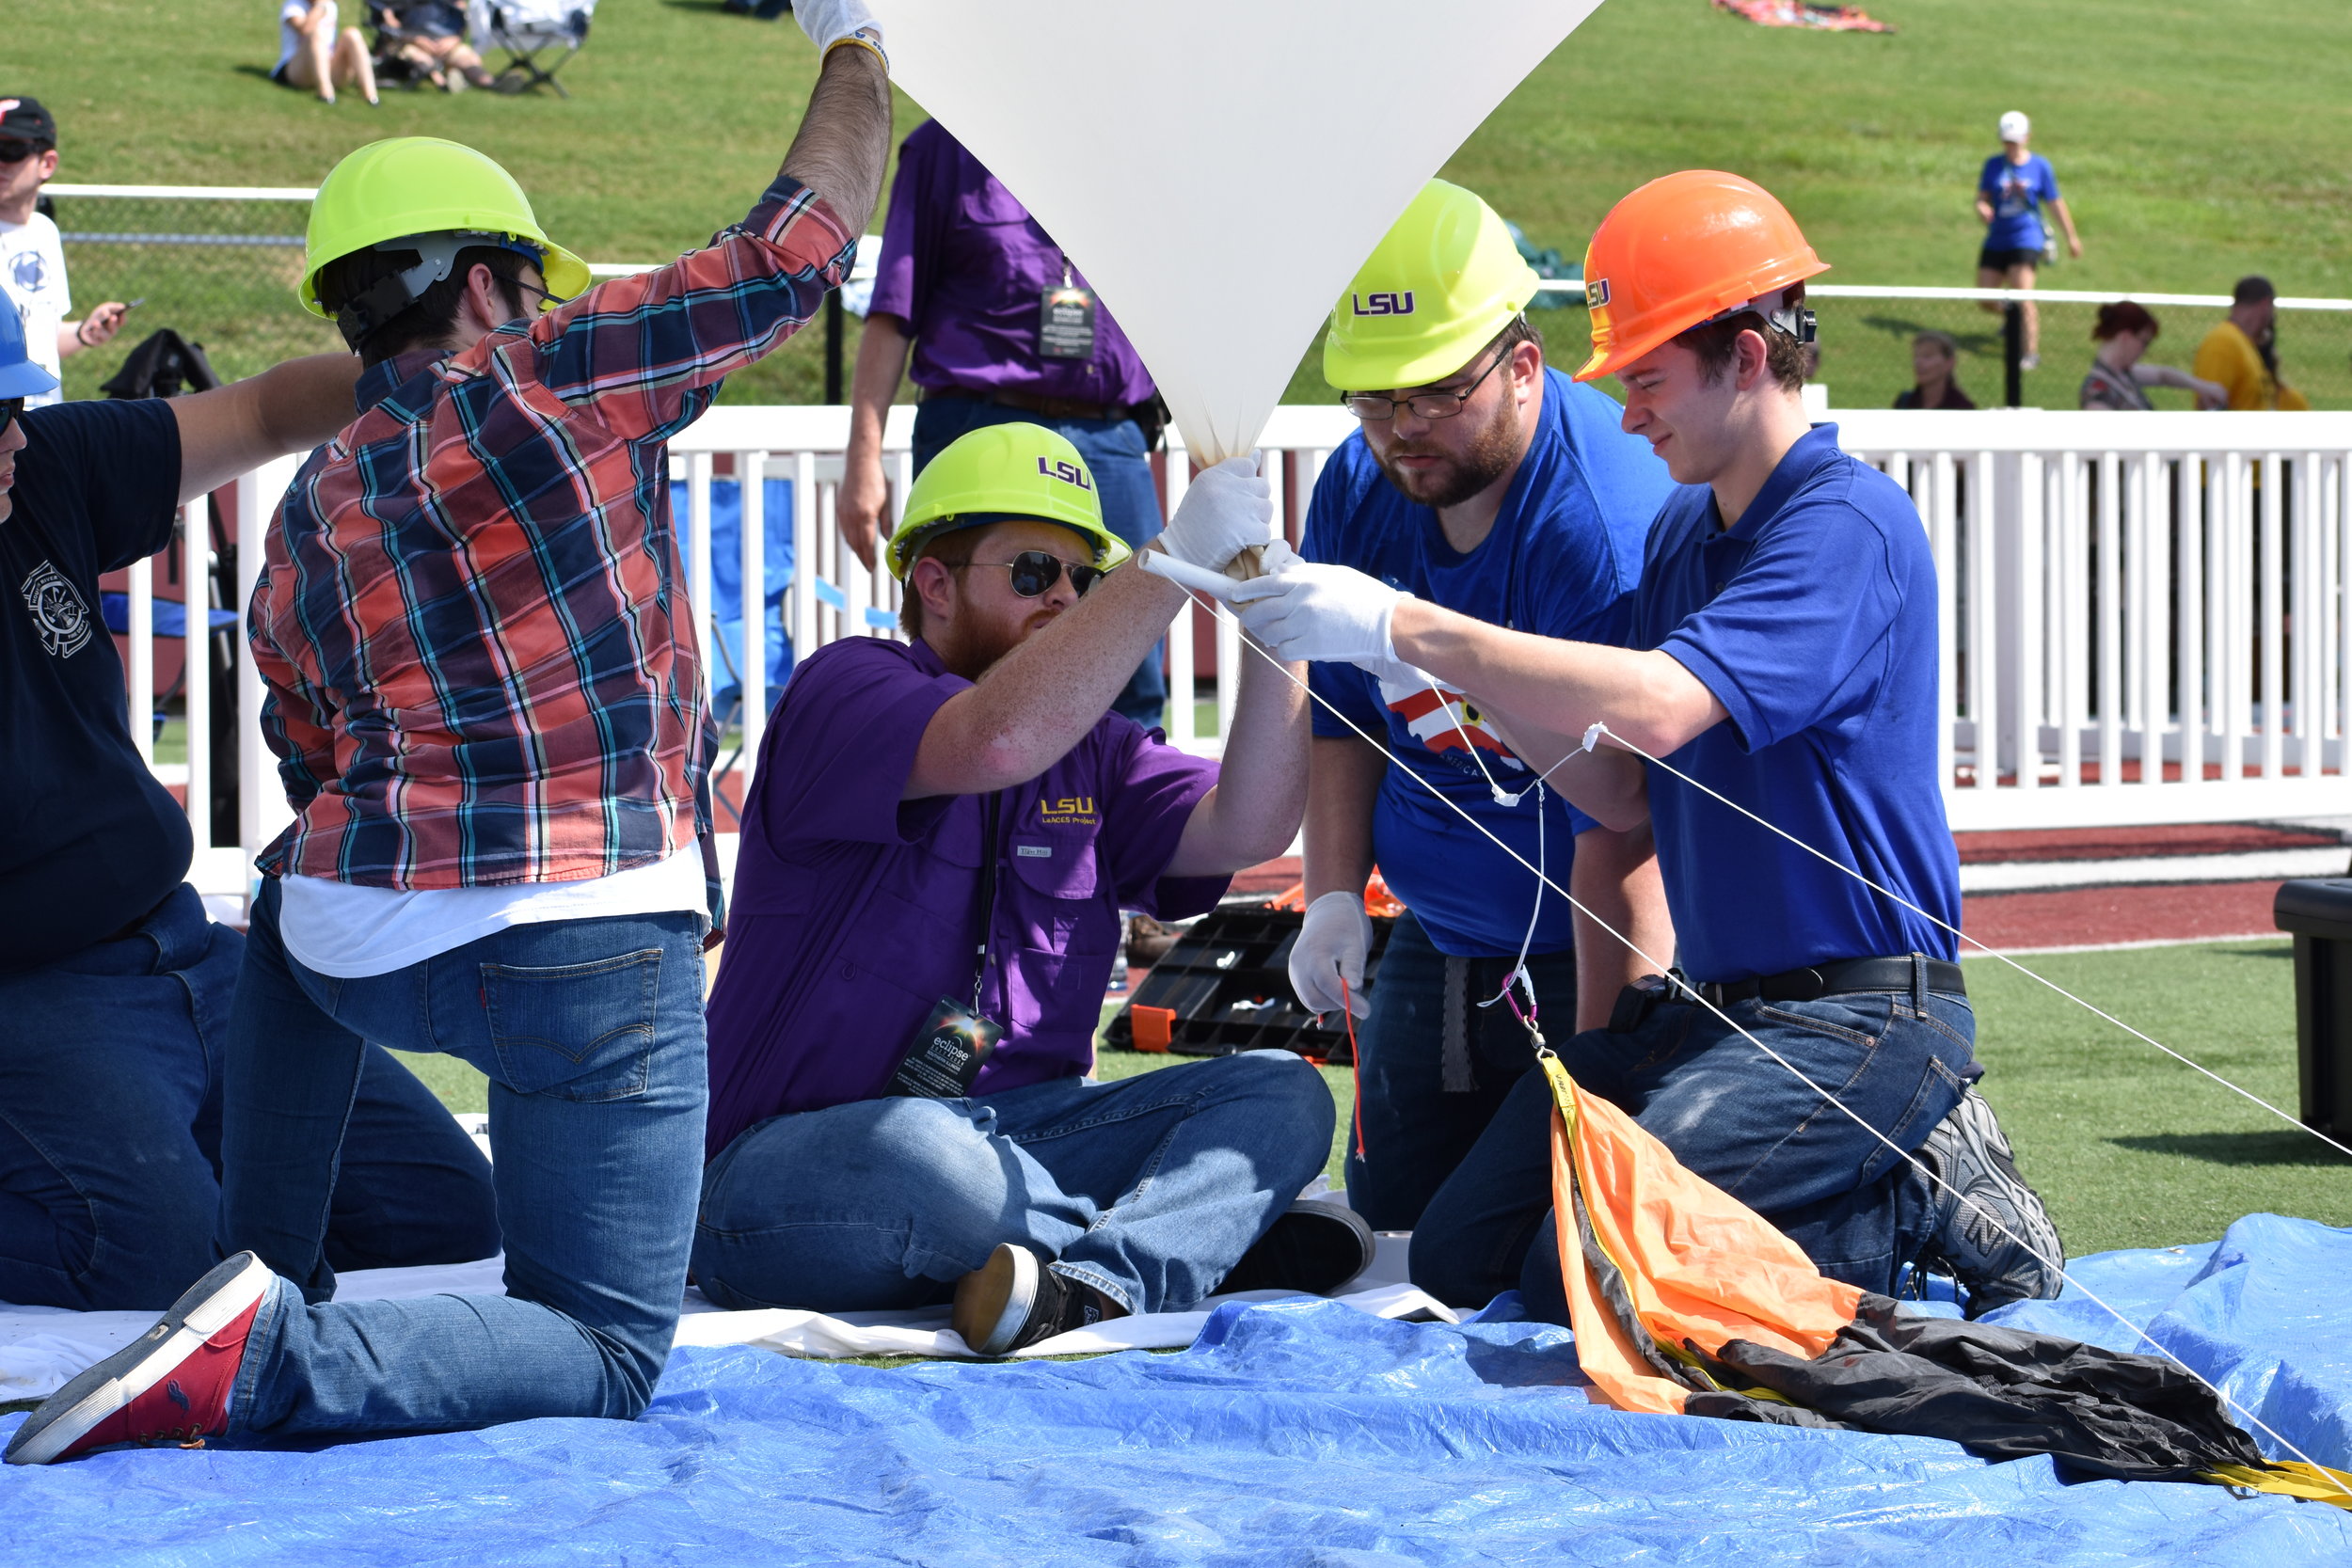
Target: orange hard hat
x: 1684, y: 249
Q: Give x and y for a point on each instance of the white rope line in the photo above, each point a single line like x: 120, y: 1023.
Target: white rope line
x: 1857, y: 876
x: 1982, y: 1212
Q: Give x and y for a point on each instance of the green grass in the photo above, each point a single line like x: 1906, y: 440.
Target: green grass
x: 2129, y: 1147
x: 2195, y: 140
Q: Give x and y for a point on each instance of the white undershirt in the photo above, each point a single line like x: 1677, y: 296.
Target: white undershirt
x: 339, y: 930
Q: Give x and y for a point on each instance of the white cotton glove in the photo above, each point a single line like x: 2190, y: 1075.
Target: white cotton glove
x: 1226, y: 510
x: 1334, y: 614
x: 828, y: 23
x: 1334, y: 940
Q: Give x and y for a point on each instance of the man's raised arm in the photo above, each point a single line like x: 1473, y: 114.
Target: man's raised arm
x: 234, y: 428
x: 844, y: 138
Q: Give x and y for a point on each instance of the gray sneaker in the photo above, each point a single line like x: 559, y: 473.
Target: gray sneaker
x: 1990, y: 1242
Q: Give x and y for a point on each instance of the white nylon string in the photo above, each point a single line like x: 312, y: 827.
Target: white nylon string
x: 1896, y: 897
x: 2057, y: 1265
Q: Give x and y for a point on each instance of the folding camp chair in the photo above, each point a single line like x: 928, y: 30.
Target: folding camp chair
x: 528, y: 30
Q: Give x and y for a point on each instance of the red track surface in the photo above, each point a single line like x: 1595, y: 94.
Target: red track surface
x: 2094, y: 916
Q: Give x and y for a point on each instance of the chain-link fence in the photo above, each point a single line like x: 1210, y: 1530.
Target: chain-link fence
x: 221, y: 271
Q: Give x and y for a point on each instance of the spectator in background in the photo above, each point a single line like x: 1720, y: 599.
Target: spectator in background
x: 2241, y: 352
x: 313, y: 56
x: 1933, y: 357
x: 32, y: 261
x: 1004, y: 329
x: 2119, y: 375
x: 430, y: 36
x: 2009, y: 195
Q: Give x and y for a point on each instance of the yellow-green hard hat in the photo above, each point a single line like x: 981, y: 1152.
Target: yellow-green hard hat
x: 411, y: 186
x: 996, y: 474
x: 1441, y: 284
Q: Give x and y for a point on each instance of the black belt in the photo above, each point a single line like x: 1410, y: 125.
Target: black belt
x: 1029, y: 402
x: 1827, y: 979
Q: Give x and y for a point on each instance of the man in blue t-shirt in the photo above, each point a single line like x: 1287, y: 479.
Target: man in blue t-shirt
x: 2011, y: 192
x: 1499, y: 489
x: 1783, y: 669
x: 114, y: 987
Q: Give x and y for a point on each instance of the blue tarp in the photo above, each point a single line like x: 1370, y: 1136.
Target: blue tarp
x: 1297, y: 1432
x: 727, y: 581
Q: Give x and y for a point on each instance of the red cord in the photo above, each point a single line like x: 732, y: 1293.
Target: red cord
x: 1356, y: 1062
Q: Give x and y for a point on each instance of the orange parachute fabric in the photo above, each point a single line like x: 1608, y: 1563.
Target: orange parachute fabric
x: 1669, y: 1257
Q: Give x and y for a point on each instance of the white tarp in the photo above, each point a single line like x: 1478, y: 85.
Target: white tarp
x: 1220, y: 168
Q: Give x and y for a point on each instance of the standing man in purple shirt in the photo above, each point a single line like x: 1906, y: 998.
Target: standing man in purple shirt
x: 935, y: 852
x: 1003, y: 327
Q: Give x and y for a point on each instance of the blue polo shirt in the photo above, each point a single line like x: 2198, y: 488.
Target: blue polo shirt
x: 1560, y: 561
x: 1813, y: 620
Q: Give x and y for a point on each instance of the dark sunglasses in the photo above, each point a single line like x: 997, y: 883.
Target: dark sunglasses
x: 15, y: 151
x: 1035, y: 571
x: 11, y: 410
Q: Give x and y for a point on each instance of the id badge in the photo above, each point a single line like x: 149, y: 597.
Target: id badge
x: 1065, y: 323
x: 946, y: 1054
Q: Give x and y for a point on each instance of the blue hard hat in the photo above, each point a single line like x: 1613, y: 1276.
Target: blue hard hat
x: 19, y: 377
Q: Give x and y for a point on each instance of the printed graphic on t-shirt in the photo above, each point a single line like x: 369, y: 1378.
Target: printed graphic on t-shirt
x: 58, y: 612
x: 29, y: 271
x: 1446, y: 724
x: 2016, y: 193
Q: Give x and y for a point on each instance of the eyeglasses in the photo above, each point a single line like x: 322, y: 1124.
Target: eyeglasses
x: 11, y: 409
x: 1425, y: 406
x: 1036, y: 571
x: 14, y: 151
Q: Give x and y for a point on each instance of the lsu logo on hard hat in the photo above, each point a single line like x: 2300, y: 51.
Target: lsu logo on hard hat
x: 1069, y: 473
x: 1387, y: 304
x: 1596, y: 293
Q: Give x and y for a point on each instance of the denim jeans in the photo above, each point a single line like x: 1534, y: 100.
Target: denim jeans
x: 1116, y: 456
x: 110, y: 1106
x: 1149, y: 1189
x: 1735, y: 1116
x: 1415, y: 1129
x: 591, y: 1031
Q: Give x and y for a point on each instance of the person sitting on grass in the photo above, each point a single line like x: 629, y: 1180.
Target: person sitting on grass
x: 1934, y: 355
x: 313, y: 55
x: 2120, y: 377
x: 430, y: 36
x: 937, y: 847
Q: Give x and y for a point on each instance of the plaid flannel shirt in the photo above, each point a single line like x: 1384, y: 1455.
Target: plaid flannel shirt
x: 472, y: 618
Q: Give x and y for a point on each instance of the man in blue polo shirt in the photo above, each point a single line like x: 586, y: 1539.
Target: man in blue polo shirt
x: 1484, y: 481
x: 1783, y: 663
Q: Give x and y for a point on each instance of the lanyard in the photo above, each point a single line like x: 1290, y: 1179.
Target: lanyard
x: 988, y: 896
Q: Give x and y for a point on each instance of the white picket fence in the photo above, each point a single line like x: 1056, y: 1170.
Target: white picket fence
x: 2143, y: 615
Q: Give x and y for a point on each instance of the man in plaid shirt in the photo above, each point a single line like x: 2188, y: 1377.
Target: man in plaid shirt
x: 485, y: 692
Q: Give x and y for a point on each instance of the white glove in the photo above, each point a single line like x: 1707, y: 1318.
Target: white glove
x: 1333, y: 942
x: 1225, y: 510
x: 1399, y: 680
x: 828, y: 23
x: 1335, y: 614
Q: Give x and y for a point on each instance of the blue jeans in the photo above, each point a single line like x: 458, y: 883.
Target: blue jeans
x: 1416, y: 1130
x: 1116, y: 456
x: 110, y: 1107
x: 1149, y: 1189
x: 1733, y: 1116
x: 591, y: 1031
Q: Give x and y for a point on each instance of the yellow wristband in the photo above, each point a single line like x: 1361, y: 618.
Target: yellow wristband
x: 862, y: 41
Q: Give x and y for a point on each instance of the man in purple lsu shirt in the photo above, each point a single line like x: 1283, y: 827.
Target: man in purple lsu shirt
x: 947, y: 830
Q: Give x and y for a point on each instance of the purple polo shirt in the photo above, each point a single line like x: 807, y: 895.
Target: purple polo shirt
x: 966, y: 267
x: 856, y: 912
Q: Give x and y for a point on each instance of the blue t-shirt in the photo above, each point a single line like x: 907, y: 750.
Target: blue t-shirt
x: 1560, y: 561
x: 92, y: 841
x: 1813, y: 620
x: 2017, y: 192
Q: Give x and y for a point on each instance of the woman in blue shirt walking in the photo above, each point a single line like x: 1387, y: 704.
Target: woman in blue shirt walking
x: 2009, y: 194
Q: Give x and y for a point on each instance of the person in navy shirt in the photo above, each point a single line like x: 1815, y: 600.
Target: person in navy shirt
x: 1783, y: 663
x: 115, y: 985
x: 2016, y: 185
x: 1499, y: 489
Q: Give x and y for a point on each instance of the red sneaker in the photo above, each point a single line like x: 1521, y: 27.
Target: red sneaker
x: 169, y: 1384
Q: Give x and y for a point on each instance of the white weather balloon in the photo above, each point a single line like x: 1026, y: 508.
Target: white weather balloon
x: 1218, y: 168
